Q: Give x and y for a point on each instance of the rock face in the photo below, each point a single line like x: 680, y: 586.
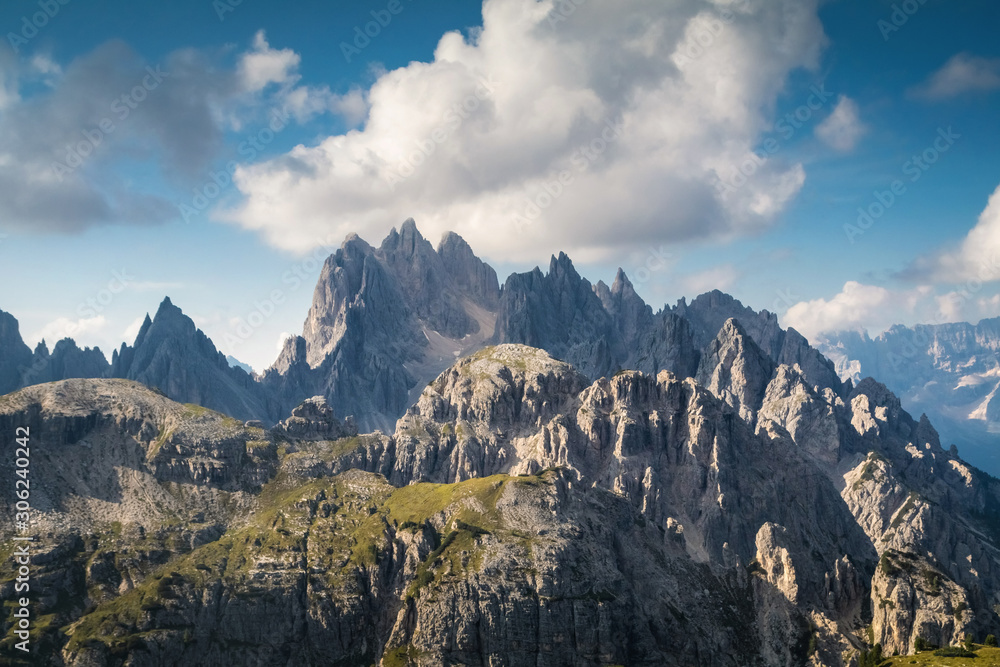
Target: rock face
x: 519, y: 514
x: 694, y: 486
x: 66, y: 361
x: 949, y: 371
x: 600, y: 330
x: 15, y: 356
x: 385, y: 321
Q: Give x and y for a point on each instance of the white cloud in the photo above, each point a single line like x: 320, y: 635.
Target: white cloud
x: 963, y: 73
x: 864, y: 307
x: 488, y: 126
x: 842, y: 129
x: 874, y: 309
x: 82, y: 331
x: 720, y: 278
x: 282, y: 337
x: 976, y: 259
x: 264, y: 65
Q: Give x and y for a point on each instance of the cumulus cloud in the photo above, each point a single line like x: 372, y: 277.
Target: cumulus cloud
x: 975, y: 260
x: 61, y: 148
x: 590, y: 132
x: 872, y: 308
x: 264, y: 65
x: 963, y: 73
x: 79, y: 330
x: 842, y: 129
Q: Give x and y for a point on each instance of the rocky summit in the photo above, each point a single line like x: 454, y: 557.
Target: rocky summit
x: 443, y: 471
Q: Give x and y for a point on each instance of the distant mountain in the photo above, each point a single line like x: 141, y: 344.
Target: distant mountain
x: 20, y: 367
x: 15, y: 356
x: 236, y: 363
x: 171, y: 354
x: 949, y: 371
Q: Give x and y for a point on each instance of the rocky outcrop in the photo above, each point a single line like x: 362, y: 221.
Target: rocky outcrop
x: 709, y: 312
x: 559, y: 312
x: 20, y: 367
x: 600, y: 330
x: 736, y: 370
x: 479, y: 574
x: 313, y: 419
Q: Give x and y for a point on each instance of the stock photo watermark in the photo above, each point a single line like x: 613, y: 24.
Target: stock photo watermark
x: 705, y: 34
x: 223, y: 7
x: 451, y: 122
x: 657, y: 259
x: 914, y: 169
x: 562, y: 10
x: 899, y: 17
x: 219, y: 181
x: 555, y: 186
x: 363, y: 35
x: 121, y: 107
x: 918, y: 339
x: 31, y: 25
x: 302, y: 272
x: 787, y: 127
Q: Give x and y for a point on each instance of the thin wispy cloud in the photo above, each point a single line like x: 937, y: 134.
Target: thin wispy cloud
x: 842, y: 129
x: 962, y: 74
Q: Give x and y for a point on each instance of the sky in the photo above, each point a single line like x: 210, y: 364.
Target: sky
x: 835, y: 162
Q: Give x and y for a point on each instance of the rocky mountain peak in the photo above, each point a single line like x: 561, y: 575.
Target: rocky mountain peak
x: 561, y: 269
x: 173, y: 355
x: 734, y: 368
x: 622, y: 285
x: 406, y: 244
x: 504, y: 386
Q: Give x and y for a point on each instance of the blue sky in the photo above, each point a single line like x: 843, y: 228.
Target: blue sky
x: 89, y: 249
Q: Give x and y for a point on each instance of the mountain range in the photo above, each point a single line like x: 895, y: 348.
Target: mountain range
x: 385, y: 321
x: 444, y: 470
x: 949, y: 371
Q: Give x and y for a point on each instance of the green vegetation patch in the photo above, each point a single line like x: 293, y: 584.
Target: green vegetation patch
x: 329, y: 527
x: 985, y: 657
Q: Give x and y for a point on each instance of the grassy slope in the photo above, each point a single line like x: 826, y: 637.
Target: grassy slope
x: 352, y: 537
x: 988, y: 657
